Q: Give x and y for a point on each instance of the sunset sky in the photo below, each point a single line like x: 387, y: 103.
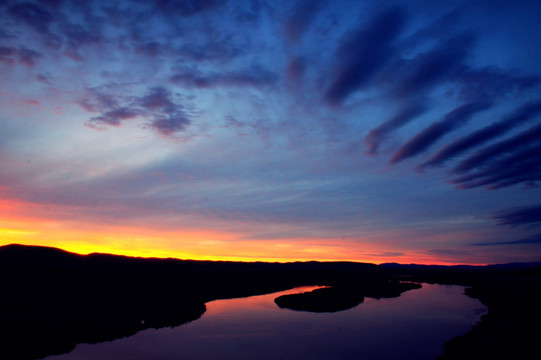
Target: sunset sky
x: 374, y: 131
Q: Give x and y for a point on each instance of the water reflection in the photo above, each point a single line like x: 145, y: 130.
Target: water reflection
x: 414, y: 325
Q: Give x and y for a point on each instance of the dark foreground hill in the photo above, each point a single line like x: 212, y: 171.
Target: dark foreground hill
x: 52, y: 300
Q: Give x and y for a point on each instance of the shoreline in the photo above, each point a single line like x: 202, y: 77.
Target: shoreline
x: 53, y: 300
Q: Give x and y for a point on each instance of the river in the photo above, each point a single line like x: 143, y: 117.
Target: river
x: 413, y: 326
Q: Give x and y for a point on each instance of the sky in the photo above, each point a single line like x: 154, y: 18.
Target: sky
x: 254, y: 130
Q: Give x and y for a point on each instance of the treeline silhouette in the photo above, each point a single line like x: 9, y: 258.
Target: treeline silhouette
x: 512, y: 294
x: 52, y: 300
x: 343, y: 296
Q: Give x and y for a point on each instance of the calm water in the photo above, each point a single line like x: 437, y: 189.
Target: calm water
x: 412, y: 326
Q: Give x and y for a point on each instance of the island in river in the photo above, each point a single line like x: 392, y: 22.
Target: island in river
x: 52, y: 300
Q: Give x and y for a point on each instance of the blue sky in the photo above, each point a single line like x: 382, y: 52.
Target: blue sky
x: 372, y: 131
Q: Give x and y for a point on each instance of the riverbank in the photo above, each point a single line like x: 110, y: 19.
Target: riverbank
x: 53, y: 300
x: 510, y: 330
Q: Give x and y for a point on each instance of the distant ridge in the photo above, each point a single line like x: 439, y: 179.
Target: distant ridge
x: 53, y: 299
x: 52, y: 254
x: 513, y: 265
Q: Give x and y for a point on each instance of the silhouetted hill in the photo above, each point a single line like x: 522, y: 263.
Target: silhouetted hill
x: 52, y: 300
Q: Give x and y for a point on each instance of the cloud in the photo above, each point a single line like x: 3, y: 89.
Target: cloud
x: 363, y: 53
x: 525, y: 215
x: 251, y: 76
x: 536, y: 239
x: 524, y: 139
x: 436, y: 130
x: 521, y: 166
x: 75, y: 36
x: 296, y: 68
x: 4, y: 34
x: 115, y: 117
x: 301, y: 19
x: 152, y: 48
x: 170, y: 124
x: 6, y: 54
x: 157, y: 107
x: 32, y: 15
x: 430, y: 69
x: 377, y: 135
x: 157, y: 99
x: 491, y: 83
x: 522, y: 114
x: 22, y: 55
x: 446, y: 252
x: 438, y: 29
x: 186, y: 7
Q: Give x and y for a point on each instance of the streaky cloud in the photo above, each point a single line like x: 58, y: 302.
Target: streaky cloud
x: 534, y: 240
x: 377, y: 135
x: 362, y: 54
x: 491, y: 83
x: 186, y: 7
x: 521, y: 166
x: 436, y: 130
x: 524, y: 139
x: 523, y: 114
x: 251, y: 76
x: 301, y: 19
x: 33, y: 15
x: 10, y: 55
x: 429, y: 69
x: 524, y: 215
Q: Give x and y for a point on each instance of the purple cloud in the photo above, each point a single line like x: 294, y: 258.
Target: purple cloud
x: 6, y: 54
x: 252, y: 76
x: 301, y: 19
x: 436, y: 130
x: 158, y: 107
x: 24, y: 56
x: 364, y: 53
x: 491, y: 83
x: 430, y: 69
x: 296, y: 68
x: 186, y: 7
x: 536, y: 239
x: 479, y: 137
x: 377, y: 135
x: 524, y: 139
x: 32, y: 15
x: 157, y: 99
x: 525, y: 215
x: 171, y: 124
x: 519, y: 167
x: 115, y: 117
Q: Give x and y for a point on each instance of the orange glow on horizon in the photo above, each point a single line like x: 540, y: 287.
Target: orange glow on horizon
x: 195, y: 244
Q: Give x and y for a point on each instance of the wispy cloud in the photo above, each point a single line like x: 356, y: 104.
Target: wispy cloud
x: 302, y: 17
x: 363, y: 53
x: 437, y: 130
x: 431, y: 68
x: 526, y: 215
x: 157, y: 107
x: 534, y: 240
x: 377, y: 135
x: 479, y: 137
x: 251, y: 76
x: 524, y: 139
